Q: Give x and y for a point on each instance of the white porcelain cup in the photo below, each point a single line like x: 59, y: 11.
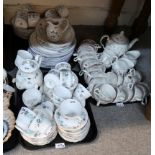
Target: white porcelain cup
x: 60, y: 93
x: 71, y: 109
x: 106, y: 92
x: 25, y: 117
x: 121, y: 95
x: 22, y: 55
x: 138, y: 94
x: 81, y: 92
x: 31, y: 97
x: 134, y: 54
x: 90, y: 62
x: 66, y: 78
x: 41, y: 124
x: 46, y: 108
x: 63, y: 66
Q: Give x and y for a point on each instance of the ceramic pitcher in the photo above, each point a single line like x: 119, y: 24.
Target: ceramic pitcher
x: 29, y: 75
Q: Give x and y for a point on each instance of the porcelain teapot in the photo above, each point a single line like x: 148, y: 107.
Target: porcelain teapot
x: 29, y: 75
x: 118, y: 43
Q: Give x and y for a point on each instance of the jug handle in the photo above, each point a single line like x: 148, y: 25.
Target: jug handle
x: 38, y: 58
x: 132, y: 43
x: 104, y: 36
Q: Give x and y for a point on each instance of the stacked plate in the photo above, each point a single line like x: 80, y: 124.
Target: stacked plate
x: 72, y: 121
x: 41, y: 139
x: 51, y: 52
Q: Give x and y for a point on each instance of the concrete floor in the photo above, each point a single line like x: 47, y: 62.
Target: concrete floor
x: 121, y: 131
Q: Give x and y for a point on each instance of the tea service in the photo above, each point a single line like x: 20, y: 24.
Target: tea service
x: 116, y: 69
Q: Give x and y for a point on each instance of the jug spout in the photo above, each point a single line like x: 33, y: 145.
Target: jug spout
x: 132, y: 42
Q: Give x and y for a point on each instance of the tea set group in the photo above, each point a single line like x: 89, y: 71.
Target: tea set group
x: 8, y: 115
x: 54, y: 103
x: 110, y: 74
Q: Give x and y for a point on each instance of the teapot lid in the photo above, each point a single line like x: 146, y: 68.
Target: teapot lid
x: 120, y: 38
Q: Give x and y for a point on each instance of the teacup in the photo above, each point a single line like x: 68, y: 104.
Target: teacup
x: 40, y: 124
x: 81, y: 58
x: 25, y: 117
x: 120, y: 67
x: 63, y: 66
x: 71, y: 109
x: 46, y: 108
x: 121, y: 95
x: 22, y: 55
x: 60, y: 93
x: 81, y: 92
x: 138, y: 94
x: 98, y: 68
x: 52, y: 78
x: 106, y: 59
x: 66, y: 77
x: 33, y: 19
x: 90, y: 62
x: 92, y: 75
x: 81, y: 100
x: 31, y: 97
x: 106, y: 93
x: 96, y: 81
x: 134, y: 54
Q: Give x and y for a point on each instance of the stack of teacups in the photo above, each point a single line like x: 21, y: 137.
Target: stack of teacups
x: 87, y: 57
x: 72, y: 120
x: 35, y: 126
x: 61, y: 84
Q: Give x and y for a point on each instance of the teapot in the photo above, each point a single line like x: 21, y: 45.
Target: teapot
x: 118, y: 43
x: 56, y: 28
x: 29, y: 75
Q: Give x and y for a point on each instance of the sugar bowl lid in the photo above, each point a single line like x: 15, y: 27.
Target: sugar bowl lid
x: 120, y: 38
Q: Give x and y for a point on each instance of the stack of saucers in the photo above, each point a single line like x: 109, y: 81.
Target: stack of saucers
x: 54, y: 40
x: 72, y: 121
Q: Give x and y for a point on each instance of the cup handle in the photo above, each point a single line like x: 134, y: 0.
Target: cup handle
x: 38, y: 58
x: 98, y: 103
x: 96, y: 91
x: 132, y: 71
x: 104, y: 36
x: 130, y: 85
x: 115, y: 58
x: 82, y: 72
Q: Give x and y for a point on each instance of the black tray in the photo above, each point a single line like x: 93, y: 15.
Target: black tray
x: 89, y: 138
